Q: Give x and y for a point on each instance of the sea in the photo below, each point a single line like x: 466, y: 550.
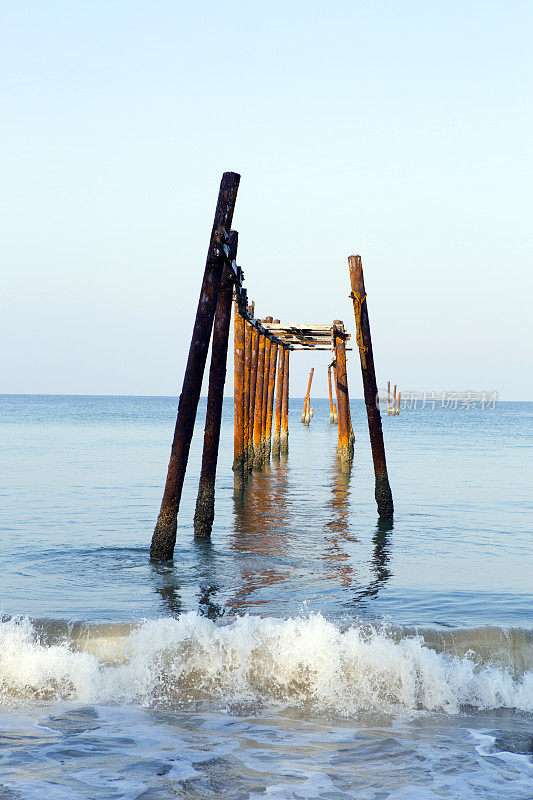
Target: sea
x: 307, y: 650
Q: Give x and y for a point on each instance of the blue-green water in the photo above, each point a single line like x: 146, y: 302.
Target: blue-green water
x: 307, y: 650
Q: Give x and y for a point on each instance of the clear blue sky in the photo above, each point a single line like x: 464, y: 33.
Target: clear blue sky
x: 398, y: 130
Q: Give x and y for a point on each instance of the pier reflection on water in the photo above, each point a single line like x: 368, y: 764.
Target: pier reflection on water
x: 304, y: 538
x: 266, y: 537
x: 290, y: 548
x: 338, y: 563
x: 262, y: 537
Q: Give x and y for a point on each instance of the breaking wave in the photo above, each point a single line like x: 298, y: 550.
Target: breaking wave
x: 309, y: 663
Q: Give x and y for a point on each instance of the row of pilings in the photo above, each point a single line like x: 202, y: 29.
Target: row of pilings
x: 261, y: 398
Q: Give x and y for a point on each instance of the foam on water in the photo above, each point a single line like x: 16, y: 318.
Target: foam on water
x: 289, y: 706
x: 307, y: 663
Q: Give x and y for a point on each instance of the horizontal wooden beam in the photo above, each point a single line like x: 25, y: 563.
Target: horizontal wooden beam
x: 300, y: 327
x: 317, y: 347
x: 299, y: 331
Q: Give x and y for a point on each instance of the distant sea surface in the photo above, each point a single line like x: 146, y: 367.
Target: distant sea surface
x: 307, y: 650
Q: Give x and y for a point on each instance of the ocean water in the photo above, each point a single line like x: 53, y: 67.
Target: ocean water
x: 306, y: 651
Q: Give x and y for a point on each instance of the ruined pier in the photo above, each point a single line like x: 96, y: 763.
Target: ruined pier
x: 261, y: 357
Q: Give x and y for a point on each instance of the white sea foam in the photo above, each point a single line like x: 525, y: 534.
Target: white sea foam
x: 302, y: 662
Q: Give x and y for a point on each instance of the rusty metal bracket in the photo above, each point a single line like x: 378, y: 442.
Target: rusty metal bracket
x: 358, y: 301
x: 221, y: 247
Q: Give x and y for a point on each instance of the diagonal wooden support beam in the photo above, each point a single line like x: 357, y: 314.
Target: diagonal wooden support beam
x: 205, y: 503
x: 164, y: 536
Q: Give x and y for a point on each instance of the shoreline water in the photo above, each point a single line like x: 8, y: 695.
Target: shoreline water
x: 306, y: 651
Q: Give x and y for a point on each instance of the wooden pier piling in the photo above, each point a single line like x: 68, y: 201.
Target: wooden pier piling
x: 164, y: 536
x: 205, y: 501
x: 246, y: 393
x: 238, y: 399
x: 276, y: 434
x: 271, y: 391
x: 383, y: 492
x: 253, y: 389
x: 306, y: 416
x: 331, y: 414
x: 345, y: 440
x: 284, y: 428
x: 266, y: 378
x: 258, y: 412
x: 388, y: 398
x: 336, y: 401
x: 393, y: 412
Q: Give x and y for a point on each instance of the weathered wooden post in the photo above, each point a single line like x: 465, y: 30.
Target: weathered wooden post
x: 336, y: 403
x: 258, y: 416
x: 331, y: 414
x: 309, y: 413
x: 253, y: 388
x: 246, y: 390
x: 345, y: 443
x: 164, y: 537
x: 388, y: 397
x: 247, y: 387
x: 266, y: 374
x: 276, y: 436
x: 238, y: 399
x: 383, y: 491
x: 205, y: 501
x: 284, y: 430
x: 398, y: 406
x: 394, y: 400
x: 271, y: 388
x: 306, y: 416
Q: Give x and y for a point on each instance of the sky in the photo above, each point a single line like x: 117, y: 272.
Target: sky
x: 398, y: 130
